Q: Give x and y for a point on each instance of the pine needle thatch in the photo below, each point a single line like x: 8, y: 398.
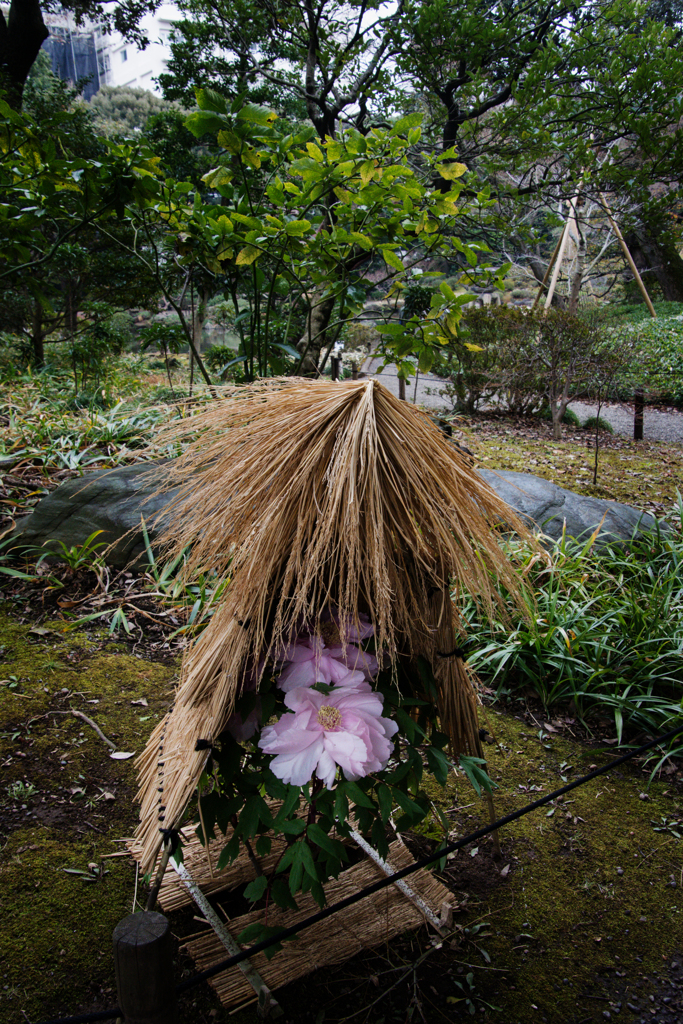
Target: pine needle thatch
x: 305, y: 495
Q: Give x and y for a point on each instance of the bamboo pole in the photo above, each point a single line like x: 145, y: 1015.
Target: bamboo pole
x: 560, y: 255
x: 627, y: 254
x: 549, y: 268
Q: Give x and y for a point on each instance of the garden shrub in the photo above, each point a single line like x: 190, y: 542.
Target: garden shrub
x: 595, y: 422
x: 570, y: 418
x: 217, y: 357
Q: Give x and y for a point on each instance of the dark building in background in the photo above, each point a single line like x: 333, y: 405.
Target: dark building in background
x: 74, y: 54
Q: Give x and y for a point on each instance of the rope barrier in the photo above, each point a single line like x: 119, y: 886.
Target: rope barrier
x: 382, y: 883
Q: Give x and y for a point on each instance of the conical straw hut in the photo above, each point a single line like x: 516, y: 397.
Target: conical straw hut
x: 305, y: 495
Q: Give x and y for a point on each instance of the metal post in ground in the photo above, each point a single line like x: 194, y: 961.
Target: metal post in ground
x: 638, y: 414
x: 143, y: 957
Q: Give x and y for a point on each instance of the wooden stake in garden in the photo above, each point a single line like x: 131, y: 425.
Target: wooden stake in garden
x: 303, y: 495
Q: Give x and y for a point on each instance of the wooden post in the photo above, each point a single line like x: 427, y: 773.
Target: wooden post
x: 143, y: 956
x: 335, y: 362
x: 629, y: 259
x: 402, y: 389
x: 638, y: 410
x: 549, y: 268
x: 354, y: 371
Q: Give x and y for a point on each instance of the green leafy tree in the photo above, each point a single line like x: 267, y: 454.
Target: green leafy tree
x: 122, y: 110
x: 326, y: 60
x: 544, y: 103
x: 58, y: 184
x: 297, y: 226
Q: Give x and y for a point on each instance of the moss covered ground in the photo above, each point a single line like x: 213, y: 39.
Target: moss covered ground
x: 587, y: 890
x: 64, y: 805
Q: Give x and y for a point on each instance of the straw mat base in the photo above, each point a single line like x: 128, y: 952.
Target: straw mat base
x: 369, y: 923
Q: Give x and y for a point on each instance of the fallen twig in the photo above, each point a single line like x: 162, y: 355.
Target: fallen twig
x: 95, y: 726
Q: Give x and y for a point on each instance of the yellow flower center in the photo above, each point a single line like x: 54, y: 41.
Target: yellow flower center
x: 329, y: 632
x: 329, y: 717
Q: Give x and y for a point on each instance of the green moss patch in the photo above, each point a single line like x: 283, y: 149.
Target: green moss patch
x: 591, y: 894
x: 64, y: 805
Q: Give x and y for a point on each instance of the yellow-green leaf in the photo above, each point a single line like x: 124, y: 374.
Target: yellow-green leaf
x: 217, y: 177
x: 367, y: 171
x: 392, y: 259
x: 230, y: 141
x: 315, y: 152
x: 360, y: 239
x: 246, y: 256
x: 251, y: 157
x: 451, y: 171
x: 297, y: 228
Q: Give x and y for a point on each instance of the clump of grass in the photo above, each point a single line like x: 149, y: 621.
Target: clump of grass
x: 606, y: 634
x: 597, y: 422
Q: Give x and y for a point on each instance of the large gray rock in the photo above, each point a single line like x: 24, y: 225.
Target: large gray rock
x: 549, y: 508
x: 111, y: 500
x: 114, y: 500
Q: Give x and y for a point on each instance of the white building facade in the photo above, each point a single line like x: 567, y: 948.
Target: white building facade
x: 121, y: 63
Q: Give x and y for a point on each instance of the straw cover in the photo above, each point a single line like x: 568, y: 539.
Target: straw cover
x: 306, y: 496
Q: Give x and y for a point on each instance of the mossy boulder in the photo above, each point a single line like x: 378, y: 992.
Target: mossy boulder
x: 115, y: 501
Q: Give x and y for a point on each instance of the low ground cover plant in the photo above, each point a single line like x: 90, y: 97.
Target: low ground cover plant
x: 605, y: 637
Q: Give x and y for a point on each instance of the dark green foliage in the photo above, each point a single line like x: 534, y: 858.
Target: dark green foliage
x: 594, y: 422
x: 181, y: 156
x: 218, y: 358
x: 569, y: 419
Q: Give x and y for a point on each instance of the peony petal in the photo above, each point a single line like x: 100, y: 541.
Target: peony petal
x: 327, y: 769
x: 297, y: 768
x: 303, y: 673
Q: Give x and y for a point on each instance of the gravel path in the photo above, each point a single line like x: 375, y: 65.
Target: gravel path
x: 658, y: 425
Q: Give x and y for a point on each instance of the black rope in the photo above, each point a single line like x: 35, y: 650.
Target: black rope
x: 382, y: 883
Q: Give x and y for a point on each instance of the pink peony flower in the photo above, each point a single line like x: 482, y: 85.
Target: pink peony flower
x: 344, y: 728
x: 355, y: 659
x: 331, y: 628
x: 310, y: 662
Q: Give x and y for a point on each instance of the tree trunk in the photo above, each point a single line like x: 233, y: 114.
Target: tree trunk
x: 21, y: 36
x: 576, y: 277
x: 312, y: 342
x: 557, y: 413
x: 656, y: 252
